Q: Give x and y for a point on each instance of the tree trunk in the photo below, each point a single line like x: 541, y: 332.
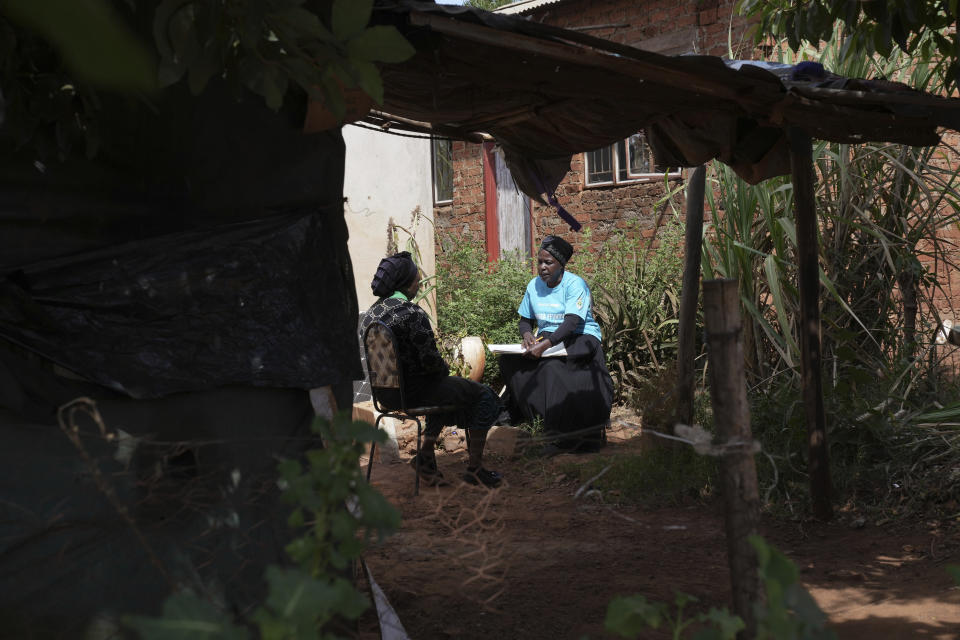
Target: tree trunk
x: 690, y: 293
x: 804, y: 200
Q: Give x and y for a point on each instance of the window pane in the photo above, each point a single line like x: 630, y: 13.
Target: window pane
x: 442, y: 170
x: 640, y: 155
x: 599, y: 165
x: 622, y: 161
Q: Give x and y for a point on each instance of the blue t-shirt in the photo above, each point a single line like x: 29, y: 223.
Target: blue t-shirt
x: 548, y: 306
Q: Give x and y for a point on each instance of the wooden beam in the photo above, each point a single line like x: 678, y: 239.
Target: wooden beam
x: 804, y: 200
x: 690, y: 293
x: 389, y: 122
x: 731, y: 417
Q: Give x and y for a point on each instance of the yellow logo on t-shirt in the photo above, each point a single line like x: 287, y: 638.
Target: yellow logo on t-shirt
x: 580, y: 302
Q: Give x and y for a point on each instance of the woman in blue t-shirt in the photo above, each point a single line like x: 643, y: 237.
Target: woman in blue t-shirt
x: 572, y: 393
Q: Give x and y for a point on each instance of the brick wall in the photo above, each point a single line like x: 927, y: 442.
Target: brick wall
x: 464, y: 217
x: 603, y: 210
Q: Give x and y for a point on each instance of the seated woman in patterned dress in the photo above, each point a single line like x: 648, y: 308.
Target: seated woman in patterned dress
x: 426, y: 377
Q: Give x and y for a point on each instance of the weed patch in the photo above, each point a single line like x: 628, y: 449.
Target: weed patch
x: 662, y: 476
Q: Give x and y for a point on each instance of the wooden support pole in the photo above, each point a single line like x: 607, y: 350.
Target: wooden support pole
x: 808, y: 260
x: 731, y: 416
x: 690, y: 293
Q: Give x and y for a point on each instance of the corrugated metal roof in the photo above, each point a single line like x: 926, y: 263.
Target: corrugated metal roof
x: 522, y: 6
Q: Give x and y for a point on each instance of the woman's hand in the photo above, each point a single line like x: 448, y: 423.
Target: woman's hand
x: 538, y: 348
x: 528, y: 341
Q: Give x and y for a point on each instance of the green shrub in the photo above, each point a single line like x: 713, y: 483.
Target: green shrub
x: 477, y: 298
x: 636, y: 299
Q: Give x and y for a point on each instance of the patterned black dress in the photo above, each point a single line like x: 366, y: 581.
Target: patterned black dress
x: 426, y: 377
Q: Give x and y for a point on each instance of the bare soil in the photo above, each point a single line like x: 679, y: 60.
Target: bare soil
x: 534, y: 560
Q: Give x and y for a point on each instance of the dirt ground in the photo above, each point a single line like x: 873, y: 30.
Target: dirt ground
x: 534, y: 560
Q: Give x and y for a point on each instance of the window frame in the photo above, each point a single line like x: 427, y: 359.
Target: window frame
x: 632, y: 178
x: 434, y: 142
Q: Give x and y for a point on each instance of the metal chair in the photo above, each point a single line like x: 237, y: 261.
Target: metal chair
x: 386, y: 387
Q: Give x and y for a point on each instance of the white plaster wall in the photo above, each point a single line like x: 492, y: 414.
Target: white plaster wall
x: 386, y: 176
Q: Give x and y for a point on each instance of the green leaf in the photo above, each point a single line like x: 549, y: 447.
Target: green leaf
x: 350, y: 17
x: 182, y: 31
x: 205, y: 66
x: 93, y: 40
x: 305, y: 22
x: 187, y: 617
x: 380, y: 44
x: 725, y: 624
x: 368, y: 79
x: 169, y: 73
x: 350, y: 603
x: 297, y: 596
x: 264, y: 79
x: 779, y: 568
x: 954, y: 571
x: 333, y: 96
x: 683, y: 599
x: 630, y: 615
x: 774, y: 281
x: 805, y: 608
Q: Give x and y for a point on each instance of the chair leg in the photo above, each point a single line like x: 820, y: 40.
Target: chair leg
x: 416, y: 481
x: 373, y: 449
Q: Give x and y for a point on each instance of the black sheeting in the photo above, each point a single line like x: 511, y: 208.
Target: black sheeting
x: 256, y: 303
x: 204, y: 245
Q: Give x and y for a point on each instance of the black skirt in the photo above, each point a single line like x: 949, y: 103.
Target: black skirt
x: 572, y: 394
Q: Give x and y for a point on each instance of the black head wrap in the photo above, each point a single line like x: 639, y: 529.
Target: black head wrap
x: 558, y: 248
x: 393, y: 274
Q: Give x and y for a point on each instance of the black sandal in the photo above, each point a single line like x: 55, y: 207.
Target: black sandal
x: 430, y: 475
x: 479, y: 475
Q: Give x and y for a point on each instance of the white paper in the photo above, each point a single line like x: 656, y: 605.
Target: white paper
x: 555, y: 350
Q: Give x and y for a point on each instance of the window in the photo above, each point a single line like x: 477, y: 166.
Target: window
x: 626, y: 161
x: 441, y: 157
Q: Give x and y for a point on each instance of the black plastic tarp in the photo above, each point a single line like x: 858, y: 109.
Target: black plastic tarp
x: 268, y: 302
x: 204, y: 245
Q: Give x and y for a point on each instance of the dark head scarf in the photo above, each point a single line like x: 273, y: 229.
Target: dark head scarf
x: 558, y: 248
x: 393, y: 274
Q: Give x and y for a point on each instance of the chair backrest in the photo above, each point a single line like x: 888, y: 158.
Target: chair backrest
x: 383, y: 363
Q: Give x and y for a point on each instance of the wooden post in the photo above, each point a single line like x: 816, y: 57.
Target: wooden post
x: 804, y: 201
x: 731, y: 416
x: 690, y: 293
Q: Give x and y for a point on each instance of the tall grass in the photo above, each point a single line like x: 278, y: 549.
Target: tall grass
x: 882, y: 209
x: 636, y: 299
